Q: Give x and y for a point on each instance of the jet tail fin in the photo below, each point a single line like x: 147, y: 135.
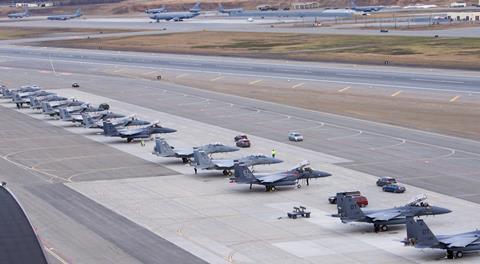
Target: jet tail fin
x: 242, y: 174
x: 348, y: 209
x: 220, y: 7
x: 352, y: 3
x: 109, y: 129
x: 162, y: 148
x: 64, y: 114
x: 419, y: 235
x: 78, y: 12
x: 201, y: 159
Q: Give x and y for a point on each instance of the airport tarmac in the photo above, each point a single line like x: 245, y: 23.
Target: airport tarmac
x: 204, y: 214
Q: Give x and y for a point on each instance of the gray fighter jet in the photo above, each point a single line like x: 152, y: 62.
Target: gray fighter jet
x: 52, y: 108
x: 9, y: 93
x: 173, y: 16
x: 204, y: 162
x: 131, y: 133
x: 24, y: 97
x: 348, y: 211
x: 91, y: 120
x: 36, y: 101
x: 66, y: 17
x: 271, y: 181
x: 229, y: 11
x: 163, y: 149
x: 420, y: 236
x: 74, y: 113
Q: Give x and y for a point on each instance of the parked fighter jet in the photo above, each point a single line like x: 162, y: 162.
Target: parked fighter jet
x: 120, y: 121
x: 272, y: 180
x: 163, y: 149
x: 23, y: 14
x: 66, y: 17
x: 8, y: 93
x: 173, y: 16
x: 229, y: 11
x: 202, y: 161
x: 131, y: 133
x: 348, y: 211
x: 420, y: 236
x: 36, y: 101
x: 156, y: 10
x: 74, y: 113
x: 365, y: 8
x: 24, y: 97
x: 52, y: 108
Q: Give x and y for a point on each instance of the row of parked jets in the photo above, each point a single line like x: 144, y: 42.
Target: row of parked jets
x: 130, y: 128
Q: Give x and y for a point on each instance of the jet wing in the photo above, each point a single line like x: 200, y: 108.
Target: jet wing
x: 223, y: 164
x: 384, y: 215
x: 460, y: 241
x: 184, y: 152
x: 130, y: 132
x: 271, y: 178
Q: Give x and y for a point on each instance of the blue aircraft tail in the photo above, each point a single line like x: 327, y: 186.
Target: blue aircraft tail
x: 419, y: 235
x: 109, y: 129
x: 201, y: 160
x: 162, y: 148
x: 65, y: 114
x: 348, y: 209
x: 242, y: 174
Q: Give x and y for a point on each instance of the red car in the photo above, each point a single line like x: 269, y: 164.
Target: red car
x: 361, y: 200
x: 243, y: 143
x: 238, y: 137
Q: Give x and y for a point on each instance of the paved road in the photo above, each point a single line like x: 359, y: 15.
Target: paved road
x: 389, y: 77
x: 36, y: 158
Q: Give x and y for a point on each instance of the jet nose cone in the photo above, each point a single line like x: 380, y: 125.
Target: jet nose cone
x: 440, y: 210
x: 169, y: 130
x: 275, y: 160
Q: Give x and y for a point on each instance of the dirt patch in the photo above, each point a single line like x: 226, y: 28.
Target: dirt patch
x: 398, y: 50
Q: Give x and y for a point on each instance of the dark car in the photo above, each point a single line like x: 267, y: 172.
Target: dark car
x: 243, y: 143
x: 238, y: 137
x: 361, y: 200
x: 75, y: 85
x: 385, y: 181
x: 384, y: 30
x: 394, y: 188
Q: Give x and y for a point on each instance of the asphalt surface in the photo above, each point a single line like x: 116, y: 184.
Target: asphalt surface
x: 37, y: 158
x: 389, y: 77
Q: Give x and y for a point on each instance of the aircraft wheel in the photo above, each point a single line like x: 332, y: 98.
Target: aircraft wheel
x: 299, y: 186
x: 129, y: 140
x: 273, y: 188
x: 225, y: 172
x: 449, y: 254
x: 459, y: 254
x: 384, y: 228
x: 229, y: 173
x: 376, y: 228
x: 185, y: 160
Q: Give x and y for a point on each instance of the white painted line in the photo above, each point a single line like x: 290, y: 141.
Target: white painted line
x: 254, y: 82
x: 344, y: 89
x: 395, y: 93
x: 298, y: 85
x: 455, y: 98
x: 216, y: 79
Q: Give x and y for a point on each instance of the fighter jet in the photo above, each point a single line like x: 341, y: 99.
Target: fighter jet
x: 24, y: 97
x: 91, y: 120
x: 173, y: 16
x: 420, y: 236
x: 66, y: 17
x: 272, y: 180
x: 348, y: 211
x: 131, y: 133
x: 74, y: 113
x: 9, y: 93
x: 156, y: 10
x: 23, y: 14
x: 163, y: 149
x: 36, y: 101
x: 52, y: 108
x: 229, y: 11
x: 204, y: 162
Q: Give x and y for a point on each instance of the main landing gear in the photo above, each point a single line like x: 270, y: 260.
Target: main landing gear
x: 378, y: 228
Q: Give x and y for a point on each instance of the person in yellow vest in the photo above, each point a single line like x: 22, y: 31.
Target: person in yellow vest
x: 142, y: 143
x: 273, y: 153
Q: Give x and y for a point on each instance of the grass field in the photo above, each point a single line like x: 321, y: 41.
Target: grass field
x: 398, y: 50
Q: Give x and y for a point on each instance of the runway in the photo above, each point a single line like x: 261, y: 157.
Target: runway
x: 464, y: 82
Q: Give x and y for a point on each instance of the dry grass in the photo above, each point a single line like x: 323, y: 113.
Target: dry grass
x: 398, y: 50
x: 18, y: 33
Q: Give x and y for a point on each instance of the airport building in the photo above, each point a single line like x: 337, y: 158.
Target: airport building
x: 305, y: 5
x: 464, y: 16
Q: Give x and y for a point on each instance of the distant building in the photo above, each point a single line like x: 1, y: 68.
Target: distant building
x: 464, y: 16
x: 305, y: 5
x: 34, y: 5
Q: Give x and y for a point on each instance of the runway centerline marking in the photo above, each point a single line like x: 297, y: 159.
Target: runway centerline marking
x: 455, y: 98
x: 217, y: 78
x: 254, y: 82
x: 344, y: 89
x: 396, y: 93
x: 298, y: 85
